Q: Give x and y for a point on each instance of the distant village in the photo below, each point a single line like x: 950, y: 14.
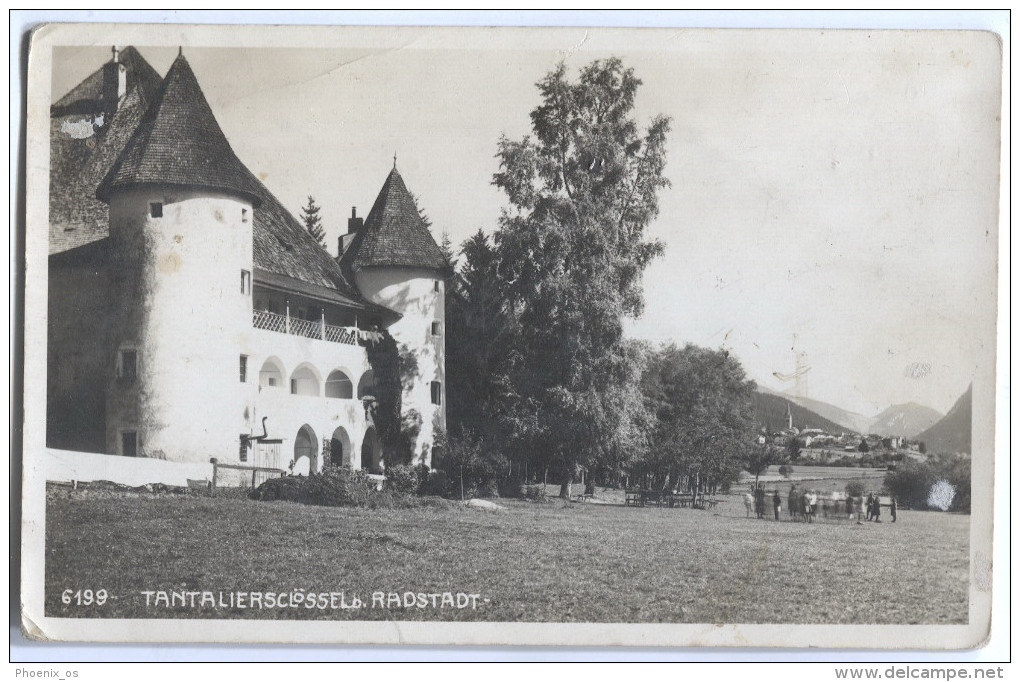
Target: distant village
x: 846, y: 448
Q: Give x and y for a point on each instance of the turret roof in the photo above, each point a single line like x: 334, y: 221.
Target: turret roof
x: 178, y: 142
x: 394, y: 233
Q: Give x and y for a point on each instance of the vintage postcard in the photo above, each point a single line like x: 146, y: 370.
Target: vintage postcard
x: 511, y: 336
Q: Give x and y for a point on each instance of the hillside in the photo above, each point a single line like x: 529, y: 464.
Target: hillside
x: 952, y: 432
x: 851, y: 421
x: 904, y: 420
x: 770, y: 411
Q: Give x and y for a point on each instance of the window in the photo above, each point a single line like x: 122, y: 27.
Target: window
x: 437, y: 329
x: 129, y: 443
x: 156, y: 209
x: 242, y: 452
x: 366, y: 385
x: 127, y: 365
x: 244, y: 368
x: 244, y: 215
x: 338, y: 385
x: 437, y: 393
x: 245, y: 282
x: 436, y: 285
x: 271, y: 374
x: 304, y: 382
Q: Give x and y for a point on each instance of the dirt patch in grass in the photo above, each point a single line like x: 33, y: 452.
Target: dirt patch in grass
x: 552, y: 562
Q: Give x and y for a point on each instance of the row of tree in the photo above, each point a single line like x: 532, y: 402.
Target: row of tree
x: 540, y: 375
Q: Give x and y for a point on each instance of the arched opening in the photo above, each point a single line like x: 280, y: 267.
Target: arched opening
x: 304, y: 382
x: 340, y: 451
x: 338, y: 385
x: 371, y: 452
x: 306, y: 451
x: 366, y: 386
x: 271, y: 374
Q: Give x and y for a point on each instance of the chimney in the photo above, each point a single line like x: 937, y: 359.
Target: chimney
x: 354, y: 225
x: 114, y: 83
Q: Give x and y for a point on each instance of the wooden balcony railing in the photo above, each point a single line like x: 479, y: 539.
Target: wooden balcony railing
x: 285, y: 324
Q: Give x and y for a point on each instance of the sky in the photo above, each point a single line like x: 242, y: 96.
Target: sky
x: 833, y: 209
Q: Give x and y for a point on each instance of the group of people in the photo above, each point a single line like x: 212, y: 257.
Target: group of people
x: 873, y: 508
x: 804, y: 505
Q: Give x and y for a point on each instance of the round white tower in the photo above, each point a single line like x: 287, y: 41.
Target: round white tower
x: 396, y: 263
x: 181, y: 215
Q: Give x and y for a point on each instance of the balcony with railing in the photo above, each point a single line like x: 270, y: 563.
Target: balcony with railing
x: 311, y: 329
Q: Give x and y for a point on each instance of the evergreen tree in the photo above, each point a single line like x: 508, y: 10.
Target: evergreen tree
x: 421, y: 212
x: 313, y: 221
x: 571, y: 250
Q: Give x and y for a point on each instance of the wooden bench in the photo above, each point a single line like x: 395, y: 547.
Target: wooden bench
x: 583, y: 497
x: 634, y: 498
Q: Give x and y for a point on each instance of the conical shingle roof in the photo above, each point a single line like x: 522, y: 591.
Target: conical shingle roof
x: 178, y: 142
x: 394, y: 234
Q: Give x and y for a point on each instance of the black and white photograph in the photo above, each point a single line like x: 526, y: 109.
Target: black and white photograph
x: 511, y: 336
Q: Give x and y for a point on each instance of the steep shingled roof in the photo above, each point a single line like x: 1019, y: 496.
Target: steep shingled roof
x: 178, y: 142
x: 78, y: 162
x: 282, y: 246
x: 394, y: 233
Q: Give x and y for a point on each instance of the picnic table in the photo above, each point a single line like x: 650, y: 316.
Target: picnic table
x: 670, y: 498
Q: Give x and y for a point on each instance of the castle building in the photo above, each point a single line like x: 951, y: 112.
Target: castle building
x: 189, y: 311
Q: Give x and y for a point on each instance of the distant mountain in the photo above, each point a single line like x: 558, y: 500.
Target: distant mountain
x: 770, y: 411
x: 851, y: 421
x: 951, y: 433
x: 905, y: 420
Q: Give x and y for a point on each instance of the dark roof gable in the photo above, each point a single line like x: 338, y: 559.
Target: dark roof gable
x: 78, y: 164
x: 178, y: 142
x: 394, y: 234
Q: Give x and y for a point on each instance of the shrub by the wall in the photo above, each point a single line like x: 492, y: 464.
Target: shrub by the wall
x: 334, y: 487
x: 403, y: 478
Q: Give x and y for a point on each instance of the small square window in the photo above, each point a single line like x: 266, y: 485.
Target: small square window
x: 127, y: 367
x: 271, y: 381
x: 129, y: 443
x: 242, y: 452
x: 244, y: 368
x: 437, y: 329
x: 156, y: 209
x: 437, y: 393
x: 245, y: 282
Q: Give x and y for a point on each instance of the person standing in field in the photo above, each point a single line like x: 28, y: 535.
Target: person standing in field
x: 860, y: 509
x: 849, y: 507
x: 878, y: 509
x: 777, y: 503
x: 792, y: 501
x: 871, y: 506
x: 759, y: 501
x: 892, y: 508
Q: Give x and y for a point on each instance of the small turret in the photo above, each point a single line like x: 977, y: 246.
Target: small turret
x: 395, y: 261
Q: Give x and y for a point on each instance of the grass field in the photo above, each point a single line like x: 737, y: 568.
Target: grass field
x: 550, y: 562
